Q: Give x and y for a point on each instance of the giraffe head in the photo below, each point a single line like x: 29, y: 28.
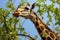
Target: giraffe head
x: 23, y: 11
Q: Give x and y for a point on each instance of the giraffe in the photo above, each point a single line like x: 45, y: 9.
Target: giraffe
x: 39, y: 25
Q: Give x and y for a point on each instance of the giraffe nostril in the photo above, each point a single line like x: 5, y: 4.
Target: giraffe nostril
x: 16, y: 14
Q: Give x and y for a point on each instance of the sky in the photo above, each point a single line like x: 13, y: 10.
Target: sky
x: 28, y: 25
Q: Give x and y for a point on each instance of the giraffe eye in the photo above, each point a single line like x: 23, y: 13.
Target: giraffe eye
x: 26, y: 8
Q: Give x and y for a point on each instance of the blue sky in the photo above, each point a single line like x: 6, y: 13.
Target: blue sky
x: 28, y: 25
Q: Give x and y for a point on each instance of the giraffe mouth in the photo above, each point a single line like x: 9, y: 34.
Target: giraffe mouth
x: 16, y: 13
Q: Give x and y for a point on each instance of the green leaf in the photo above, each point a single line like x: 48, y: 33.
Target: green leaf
x: 50, y: 17
x: 47, y: 23
x: 10, y: 5
x: 55, y: 10
x: 57, y: 29
x: 35, y: 37
x: 40, y: 0
x: 44, y: 34
x: 24, y: 33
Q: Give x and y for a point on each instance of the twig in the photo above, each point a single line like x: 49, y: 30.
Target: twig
x: 15, y: 24
x: 26, y: 36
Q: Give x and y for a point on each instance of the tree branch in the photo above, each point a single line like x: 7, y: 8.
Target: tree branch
x: 26, y: 36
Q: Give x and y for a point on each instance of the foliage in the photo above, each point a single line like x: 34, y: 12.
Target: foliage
x: 52, y: 10
x: 8, y: 23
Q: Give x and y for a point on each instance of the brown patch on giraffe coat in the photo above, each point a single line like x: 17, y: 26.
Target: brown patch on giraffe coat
x: 39, y: 30
x: 48, y: 38
x: 42, y: 28
x: 41, y: 25
x: 52, y: 35
x: 44, y: 38
x: 36, y: 24
x: 56, y: 39
x: 47, y: 31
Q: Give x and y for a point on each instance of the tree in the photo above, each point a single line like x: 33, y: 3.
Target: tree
x: 9, y: 23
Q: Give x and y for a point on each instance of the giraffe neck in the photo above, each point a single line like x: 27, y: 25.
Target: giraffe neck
x: 42, y: 28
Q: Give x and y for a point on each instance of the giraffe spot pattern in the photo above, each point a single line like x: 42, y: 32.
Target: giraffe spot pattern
x: 47, y: 31
x: 42, y: 28
x: 39, y: 30
x: 48, y: 38
x: 52, y: 35
x: 36, y: 24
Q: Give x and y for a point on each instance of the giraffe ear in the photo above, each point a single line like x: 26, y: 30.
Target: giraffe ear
x: 33, y: 5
